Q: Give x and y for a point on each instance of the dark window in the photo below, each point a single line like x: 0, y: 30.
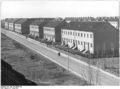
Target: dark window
x: 69, y: 40
x: 76, y: 34
x: 90, y: 35
x: 78, y: 42
x: 81, y: 34
x: 91, y: 45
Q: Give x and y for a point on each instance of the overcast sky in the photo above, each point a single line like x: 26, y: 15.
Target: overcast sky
x: 54, y: 8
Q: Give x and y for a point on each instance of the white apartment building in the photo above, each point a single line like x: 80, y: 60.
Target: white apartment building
x: 6, y: 25
x: 11, y: 27
x: 12, y: 24
x: 34, y: 30
x: 82, y: 40
x: 18, y: 28
x: 49, y: 33
x: 52, y: 30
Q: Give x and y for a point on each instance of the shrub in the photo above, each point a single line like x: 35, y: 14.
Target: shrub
x: 17, y: 45
x: 32, y: 57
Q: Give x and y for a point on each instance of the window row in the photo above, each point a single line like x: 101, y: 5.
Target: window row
x: 35, y: 27
x: 77, y: 34
x: 77, y: 42
x: 49, y: 30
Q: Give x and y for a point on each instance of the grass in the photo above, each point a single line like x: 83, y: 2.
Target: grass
x: 36, y: 67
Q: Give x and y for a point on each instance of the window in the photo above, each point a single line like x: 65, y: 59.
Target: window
x: 90, y: 35
x: 70, y: 33
x: 81, y: 34
x: 87, y: 35
x: 78, y: 42
x: 84, y: 34
x: 78, y: 34
x: 81, y: 43
x: 91, y: 45
x: 62, y: 32
x: 69, y: 40
x: 73, y: 33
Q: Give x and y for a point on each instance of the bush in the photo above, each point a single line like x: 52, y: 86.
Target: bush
x: 17, y: 45
x: 32, y: 57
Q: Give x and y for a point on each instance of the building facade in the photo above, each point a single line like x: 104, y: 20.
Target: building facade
x: 92, y: 37
x: 7, y: 23
x: 18, y: 28
x: 12, y: 24
x: 81, y: 40
x: 22, y: 26
x: 3, y: 23
x: 34, y: 30
x: 36, y: 27
x: 49, y: 33
x: 52, y: 30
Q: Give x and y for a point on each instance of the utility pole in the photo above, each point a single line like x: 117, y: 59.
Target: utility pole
x: 68, y: 48
x: 68, y: 59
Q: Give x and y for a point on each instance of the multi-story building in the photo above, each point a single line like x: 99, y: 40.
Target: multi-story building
x: 22, y: 26
x: 36, y: 27
x: 7, y: 20
x: 12, y: 24
x: 52, y: 30
x: 3, y: 23
x: 90, y: 37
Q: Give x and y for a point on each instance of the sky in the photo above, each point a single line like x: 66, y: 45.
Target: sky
x: 60, y: 8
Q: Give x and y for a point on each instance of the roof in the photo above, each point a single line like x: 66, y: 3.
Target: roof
x: 21, y: 21
x: 88, y: 26
x: 8, y: 19
x: 53, y: 23
x: 14, y: 20
x: 37, y: 22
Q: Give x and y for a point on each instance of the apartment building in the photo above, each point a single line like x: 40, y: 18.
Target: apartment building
x: 36, y: 27
x: 12, y: 24
x: 90, y: 37
x: 7, y: 20
x: 52, y: 30
x: 22, y: 26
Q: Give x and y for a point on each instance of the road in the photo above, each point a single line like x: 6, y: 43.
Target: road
x: 90, y: 73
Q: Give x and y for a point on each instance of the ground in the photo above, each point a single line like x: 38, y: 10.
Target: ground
x: 36, y: 67
x: 110, y: 65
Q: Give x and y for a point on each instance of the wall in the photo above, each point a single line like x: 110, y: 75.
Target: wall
x: 11, y: 27
x: 18, y: 28
x: 6, y: 25
x: 49, y: 33
x: 34, y: 30
x: 80, y: 38
x: 106, y: 37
